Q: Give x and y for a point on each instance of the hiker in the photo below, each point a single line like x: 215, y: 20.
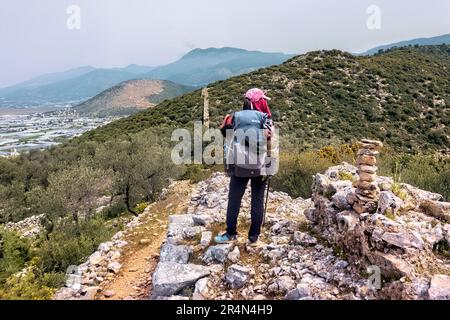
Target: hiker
x: 255, y: 116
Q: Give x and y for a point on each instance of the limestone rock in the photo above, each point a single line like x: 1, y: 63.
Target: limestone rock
x: 114, y: 267
x: 217, y: 254
x: 202, y: 220
x: 105, y: 247
x: 440, y: 288
x: 421, y: 195
x: 403, y: 239
x: 201, y: 290
x: 175, y: 253
x: 90, y: 293
x: 340, y: 199
x: 301, y: 291
x: 206, y: 238
x: 304, y: 239
x: 368, y: 169
x: 391, y: 265
x: 388, y: 200
x: 368, y: 152
x: 192, y: 232
x: 368, y: 160
x: 237, y: 276
x: 282, y: 285
x: 439, y: 210
x: 171, y: 277
x: 109, y: 293
x: 96, y: 258
x: 234, y: 255
x: 368, y: 177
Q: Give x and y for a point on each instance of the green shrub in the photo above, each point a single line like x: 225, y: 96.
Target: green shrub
x: 141, y: 207
x: 14, y: 253
x: 31, y: 284
x: 69, y: 244
x: 296, y: 172
x: 114, y: 211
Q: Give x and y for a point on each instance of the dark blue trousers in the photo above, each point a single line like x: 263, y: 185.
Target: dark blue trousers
x: 237, y: 190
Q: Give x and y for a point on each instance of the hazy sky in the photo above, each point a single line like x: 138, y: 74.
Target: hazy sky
x: 35, y: 39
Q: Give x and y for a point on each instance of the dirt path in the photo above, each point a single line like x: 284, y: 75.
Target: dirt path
x: 144, y: 242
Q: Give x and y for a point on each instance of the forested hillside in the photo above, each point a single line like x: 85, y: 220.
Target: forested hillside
x: 401, y: 97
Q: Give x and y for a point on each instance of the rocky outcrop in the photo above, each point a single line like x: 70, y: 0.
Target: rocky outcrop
x: 381, y: 232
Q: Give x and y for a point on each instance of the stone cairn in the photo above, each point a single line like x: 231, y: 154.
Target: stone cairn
x: 367, y: 191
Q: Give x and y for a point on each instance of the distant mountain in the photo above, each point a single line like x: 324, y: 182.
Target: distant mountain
x: 131, y: 96
x: 444, y: 39
x: 47, y: 79
x: 72, y: 90
x: 135, y: 69
x: 204, y: 66
x: 197, y: 68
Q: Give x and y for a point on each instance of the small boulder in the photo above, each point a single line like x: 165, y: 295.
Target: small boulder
x: 175, y: 253
x: 300, y: 292
x: 109, y: 293
x: 104, y: 247
x: 282, y: 285
x: 217, y: 254
x: 114, y: 267
x: 405, y: 239
x: 90, y: 293
x: 204, y: 220
x: 304, y: 239
x: 170, y: 277
x: 340, y: 199
x: 201, y: 289
x: 388, y: 200
x: 192, y: 232
x: 440, y: 288
x: 96, y: 258
x: 237, y: 276
x: 234, y: 255
x: 436, y: 209
x: 206, y: 238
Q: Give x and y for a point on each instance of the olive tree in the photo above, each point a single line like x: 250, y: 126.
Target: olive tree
x: 141, y: 164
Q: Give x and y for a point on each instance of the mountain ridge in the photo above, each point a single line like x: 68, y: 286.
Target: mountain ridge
x: 197, y: 67
x: 437, y: 40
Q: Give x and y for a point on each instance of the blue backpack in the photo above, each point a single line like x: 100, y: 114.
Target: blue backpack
x: 246, y: 149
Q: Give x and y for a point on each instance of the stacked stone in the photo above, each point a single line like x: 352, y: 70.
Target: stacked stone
x: 367, y: 191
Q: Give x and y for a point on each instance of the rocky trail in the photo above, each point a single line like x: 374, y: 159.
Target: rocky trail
x: 120, y: 268
x: 291, y: 263
x: 318, y: 248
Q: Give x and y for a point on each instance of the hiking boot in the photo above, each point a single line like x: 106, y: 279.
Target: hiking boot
x: 254, y: 244
x: 225, y: 238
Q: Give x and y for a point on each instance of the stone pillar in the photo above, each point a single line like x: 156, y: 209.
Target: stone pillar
x: 367, y: 191
x: 205, y: 96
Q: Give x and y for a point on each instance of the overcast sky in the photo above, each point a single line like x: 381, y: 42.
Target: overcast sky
x: 35, y: 38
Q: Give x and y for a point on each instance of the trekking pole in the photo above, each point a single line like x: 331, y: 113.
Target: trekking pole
x: 267, y: 199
